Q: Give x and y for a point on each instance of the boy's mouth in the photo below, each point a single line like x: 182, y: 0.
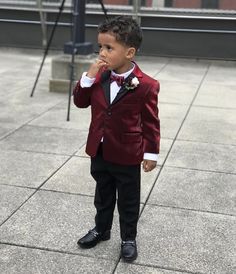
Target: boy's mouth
x: 103, y: 60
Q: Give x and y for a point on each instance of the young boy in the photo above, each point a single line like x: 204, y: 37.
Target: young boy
x: 124, y: 130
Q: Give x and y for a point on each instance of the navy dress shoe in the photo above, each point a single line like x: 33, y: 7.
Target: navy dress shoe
x: 129, y: 251
x: 93, y: 237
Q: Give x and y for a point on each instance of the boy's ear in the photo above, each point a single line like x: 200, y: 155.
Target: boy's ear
x: 130, y: 53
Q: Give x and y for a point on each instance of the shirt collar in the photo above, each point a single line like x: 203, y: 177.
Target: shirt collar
x: 125, y: 74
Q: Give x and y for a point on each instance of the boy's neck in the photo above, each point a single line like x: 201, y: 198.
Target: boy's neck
x: 125, y: 68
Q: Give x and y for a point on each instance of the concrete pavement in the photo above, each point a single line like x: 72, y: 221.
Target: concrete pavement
x: 188, y: 216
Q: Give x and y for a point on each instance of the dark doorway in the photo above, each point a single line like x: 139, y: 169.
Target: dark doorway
x: 210, y: 4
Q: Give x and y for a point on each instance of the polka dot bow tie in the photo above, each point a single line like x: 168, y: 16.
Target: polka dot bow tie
x: 119, y: 79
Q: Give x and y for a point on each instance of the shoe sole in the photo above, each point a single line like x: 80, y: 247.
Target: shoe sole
x: 87, y: 246
x: 129, y: 260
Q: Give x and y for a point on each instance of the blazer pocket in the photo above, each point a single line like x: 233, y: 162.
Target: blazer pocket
x: 131, y: 137
x: 131, y: 101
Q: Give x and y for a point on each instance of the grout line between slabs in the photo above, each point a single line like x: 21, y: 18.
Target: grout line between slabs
x: 162, y: 68
x: 176, y: 136
x: 168, y: 268
x: 53, y: 250
x: 36, y: 190
x: 192, y: 209
x: 203, y: 170
x: 26, y: 123
x: 145, y: 203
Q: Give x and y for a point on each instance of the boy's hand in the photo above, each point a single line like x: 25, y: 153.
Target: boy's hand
x: 149, y: 165
x: 95, y: 67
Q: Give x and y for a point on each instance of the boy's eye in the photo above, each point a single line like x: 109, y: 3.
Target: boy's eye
x: 105, y: 47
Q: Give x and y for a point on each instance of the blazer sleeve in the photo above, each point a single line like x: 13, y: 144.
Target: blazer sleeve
x: 151, y: 121
x: 82, y: 96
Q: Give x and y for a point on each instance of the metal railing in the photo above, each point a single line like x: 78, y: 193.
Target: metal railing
x: 30, y: 3
x: 167, y: 5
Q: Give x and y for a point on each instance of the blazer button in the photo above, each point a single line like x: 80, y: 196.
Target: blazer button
x: 109, y: 113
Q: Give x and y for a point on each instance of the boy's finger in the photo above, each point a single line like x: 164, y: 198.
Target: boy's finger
x: 144, y: 165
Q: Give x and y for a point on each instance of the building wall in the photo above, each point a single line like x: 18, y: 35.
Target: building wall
x: 167, y: 35
x: 227, y: 4
x: 116, y: 2
x: 220, y: 4
x: 191, y: 4
x: 158, y: 3
x: 194, y: 4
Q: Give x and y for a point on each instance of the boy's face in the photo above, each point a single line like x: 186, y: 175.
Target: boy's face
x: 117, y: 56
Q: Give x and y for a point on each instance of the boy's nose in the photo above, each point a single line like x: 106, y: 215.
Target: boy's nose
x: 102, y: 53
x: 101, y: 56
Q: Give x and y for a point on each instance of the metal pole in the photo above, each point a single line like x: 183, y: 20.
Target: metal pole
x: 79, y: 9
x: 136, y: 9
x: 103, y: 9
x: 48, y: 46
x: 76, y: 13
x: 82, y: 47
x: 43, y: 23
x: 78, y: 45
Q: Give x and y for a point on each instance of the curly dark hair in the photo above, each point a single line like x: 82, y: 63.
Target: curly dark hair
x: 125, y: 29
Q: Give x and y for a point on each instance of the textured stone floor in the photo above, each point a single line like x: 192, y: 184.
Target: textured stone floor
x: 188, y: 217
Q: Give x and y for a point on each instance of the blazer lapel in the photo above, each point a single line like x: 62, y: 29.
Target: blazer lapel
x: 123, y: 91
x: 105, y: 81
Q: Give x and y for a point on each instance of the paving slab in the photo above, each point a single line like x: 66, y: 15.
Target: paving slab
x: 203, y: 156
x: 194, y: 189
x: 210, y: 125
x: 20, y: 260
x: 198, y: 176
x: 216, y: 95
x: 7, y: 128
x: 45, y: 140
x: 41, y: 97
x: 148, y: 179
x: 16, y: 55
x: 73, y: 177
x: 22, y: 109
x: 176, y: 92
x: 56, y: 221
x: 222, y: 73
x: 27, y: 168
x: 15, y: 73
x: 165, y: 147
x: 141, y: 269
x: 10, y: 199
x: 185, y: 240
x: 14, y: 79
x: 171, y: 117
x: 152, y: 66
x: 183, y: 70
x: 56, y: 117
x: 16, y: 114
x: 81, y: 152
x: 17, y: 86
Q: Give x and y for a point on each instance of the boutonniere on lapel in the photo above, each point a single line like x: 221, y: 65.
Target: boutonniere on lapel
x: 131, y: 84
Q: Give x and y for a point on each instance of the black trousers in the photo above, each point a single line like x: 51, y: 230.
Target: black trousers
x: 111, y: 179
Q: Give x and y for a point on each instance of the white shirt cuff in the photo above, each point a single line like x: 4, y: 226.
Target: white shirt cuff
x: 85, y: 81
x: 150, y: 156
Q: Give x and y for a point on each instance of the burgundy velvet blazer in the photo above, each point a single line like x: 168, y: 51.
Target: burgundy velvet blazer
x: 129, y: 125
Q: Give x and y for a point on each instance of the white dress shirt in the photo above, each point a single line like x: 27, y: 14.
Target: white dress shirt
x: 87, y: 82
